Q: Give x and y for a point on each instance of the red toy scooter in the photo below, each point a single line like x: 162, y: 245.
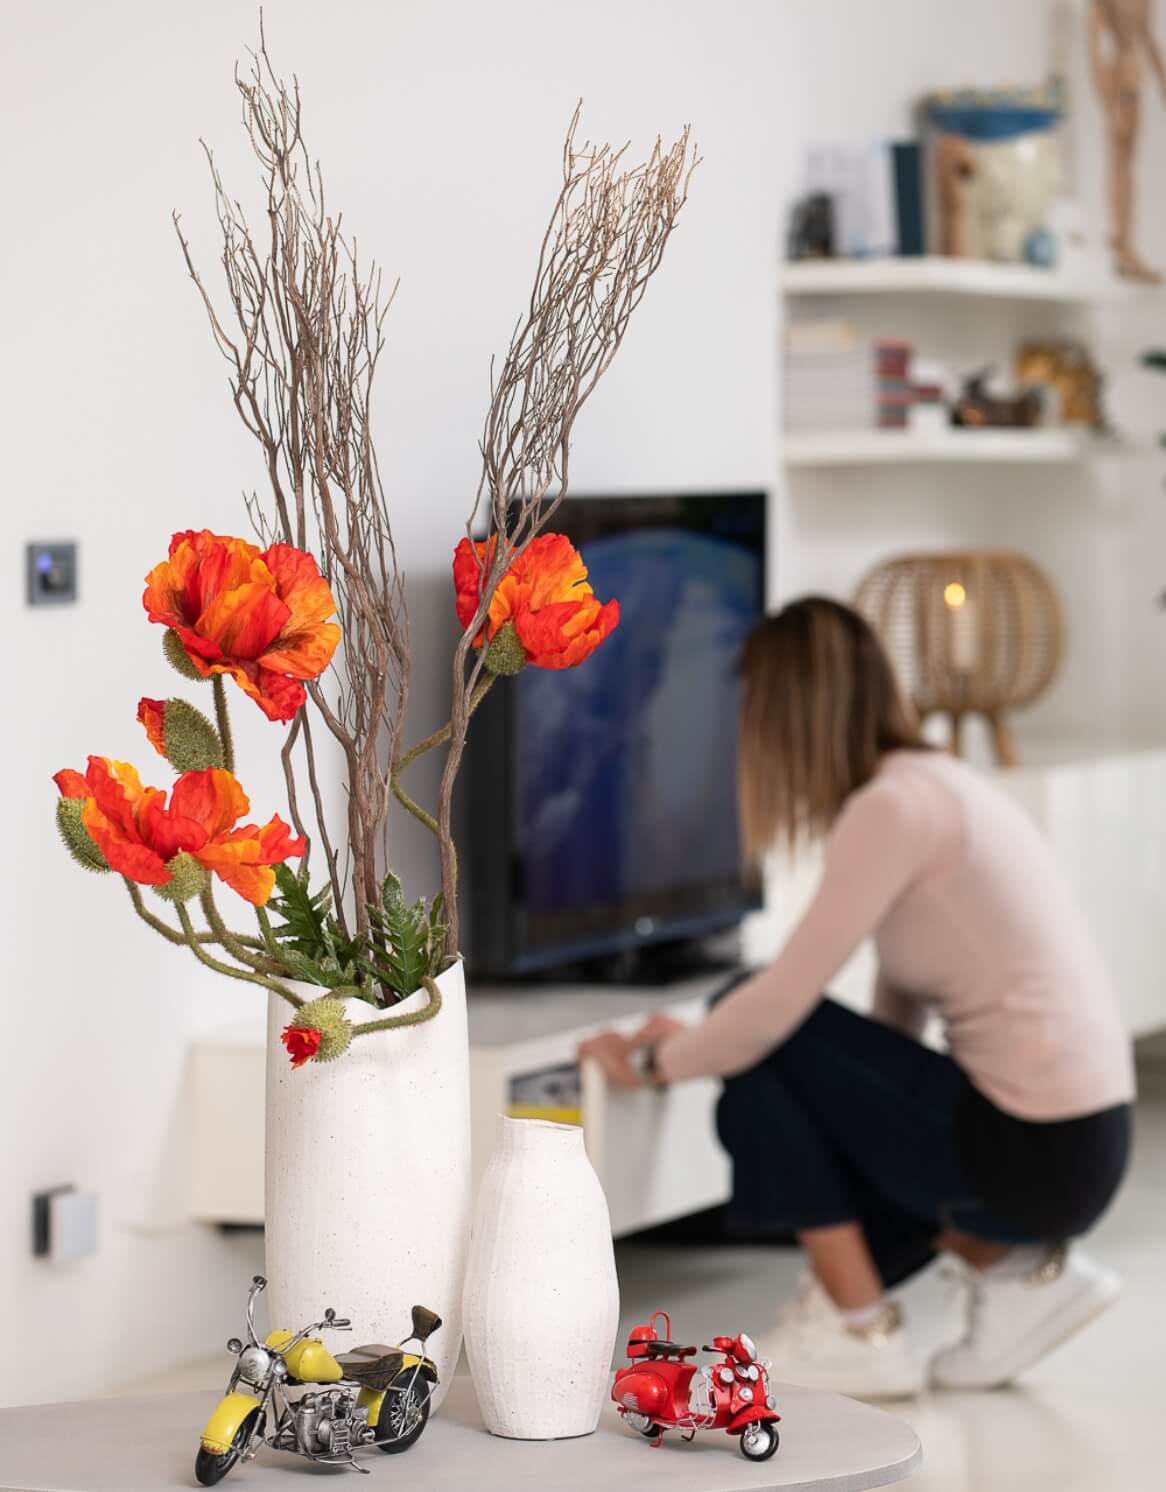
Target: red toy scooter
x: 661, y: 1390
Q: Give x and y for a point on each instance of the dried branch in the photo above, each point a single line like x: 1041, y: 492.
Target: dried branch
x: 302, y: 331
x: 605, y: 240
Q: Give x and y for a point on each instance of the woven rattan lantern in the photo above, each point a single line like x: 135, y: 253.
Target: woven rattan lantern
x: 972, y: 632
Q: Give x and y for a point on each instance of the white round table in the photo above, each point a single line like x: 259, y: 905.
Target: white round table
x: 149, y: 1444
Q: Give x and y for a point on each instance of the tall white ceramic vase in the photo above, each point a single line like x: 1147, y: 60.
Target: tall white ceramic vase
x: 368, y: 1177
x: 541, y: 1303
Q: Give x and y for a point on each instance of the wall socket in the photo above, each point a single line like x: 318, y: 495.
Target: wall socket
x: 64, y: 1224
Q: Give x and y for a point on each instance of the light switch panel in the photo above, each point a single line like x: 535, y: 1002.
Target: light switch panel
x: 64, y: 1224
x: 72, y: 1226
x: 51, y: 573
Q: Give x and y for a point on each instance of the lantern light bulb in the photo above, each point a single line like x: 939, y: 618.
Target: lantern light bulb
x: 954, y: 595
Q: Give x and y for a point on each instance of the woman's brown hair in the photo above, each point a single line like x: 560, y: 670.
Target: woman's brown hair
x: 820, y: 706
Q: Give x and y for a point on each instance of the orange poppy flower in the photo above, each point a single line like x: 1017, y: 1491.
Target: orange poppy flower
x: 140, y: 834
x: 261, y: 617
x: 545, y: 594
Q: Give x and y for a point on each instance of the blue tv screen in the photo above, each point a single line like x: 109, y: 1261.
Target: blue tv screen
x: 621, y: 772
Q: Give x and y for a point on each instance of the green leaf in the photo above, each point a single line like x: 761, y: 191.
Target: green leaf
x: 403, y: 946
x: 409, y: 935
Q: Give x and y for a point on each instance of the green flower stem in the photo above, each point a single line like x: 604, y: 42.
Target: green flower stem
x: 481, y: 689
x: 172, y: 935
x: 415, y: 1018
x: 233, y: 942
x: 269, y: 940
x: 247, y: 975
x: 222, y: 720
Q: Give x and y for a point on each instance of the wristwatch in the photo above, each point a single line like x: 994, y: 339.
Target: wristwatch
x: 648, y: 1069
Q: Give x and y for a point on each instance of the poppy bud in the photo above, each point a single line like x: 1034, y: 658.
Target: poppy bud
x: 180, y: 733
x: 505, y: 654
x: 187, y: 879
x: 76, y: 837
x: 319, y: 1031
x: 177, y: 656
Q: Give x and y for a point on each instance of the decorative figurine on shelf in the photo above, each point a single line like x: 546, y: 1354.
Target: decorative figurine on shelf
x: 1119, y: 33
x: 663, y: 1390
x: 1067, y: 377
x: 996, y: 169
x: 955, y: 171
x: 811, y: 231
x: 371, y: 1396
x: 979, y: 409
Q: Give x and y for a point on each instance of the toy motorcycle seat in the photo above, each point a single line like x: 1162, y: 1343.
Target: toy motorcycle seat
x: 668, y: 1349
x: 369, y: 1370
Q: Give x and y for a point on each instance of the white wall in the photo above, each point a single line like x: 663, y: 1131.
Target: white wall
x: 440, y: 128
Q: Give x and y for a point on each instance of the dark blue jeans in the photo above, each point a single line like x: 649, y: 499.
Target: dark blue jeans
x: 852, y: 1121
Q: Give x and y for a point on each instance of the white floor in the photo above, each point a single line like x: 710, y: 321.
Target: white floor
x: 1089, y: 1419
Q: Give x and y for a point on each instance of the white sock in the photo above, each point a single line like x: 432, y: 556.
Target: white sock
x: 1017, y: 1263
x: 862, y: 1316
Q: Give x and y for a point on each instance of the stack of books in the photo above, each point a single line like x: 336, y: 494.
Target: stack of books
x: 896, y: 395
x: 830, y: 378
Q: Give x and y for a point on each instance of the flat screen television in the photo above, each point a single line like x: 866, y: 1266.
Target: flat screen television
x: 602, y: 803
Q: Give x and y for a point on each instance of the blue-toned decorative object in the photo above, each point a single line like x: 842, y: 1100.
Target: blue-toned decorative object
x: 996, y: 169
x: 1040, y: 248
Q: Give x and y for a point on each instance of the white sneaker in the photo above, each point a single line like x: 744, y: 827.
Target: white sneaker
x: 1013, y: 1323
x: 812, y: 1345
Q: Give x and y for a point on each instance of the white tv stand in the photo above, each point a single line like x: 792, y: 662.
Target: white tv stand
x: 656, y: 1153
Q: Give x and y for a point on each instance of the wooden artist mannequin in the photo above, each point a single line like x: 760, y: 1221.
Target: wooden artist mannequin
x: 1120, y: 32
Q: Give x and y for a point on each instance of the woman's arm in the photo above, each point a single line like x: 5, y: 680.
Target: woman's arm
x: 882, y: 839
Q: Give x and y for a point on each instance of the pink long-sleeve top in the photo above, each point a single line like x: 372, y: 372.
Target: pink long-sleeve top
x: 970, y: 917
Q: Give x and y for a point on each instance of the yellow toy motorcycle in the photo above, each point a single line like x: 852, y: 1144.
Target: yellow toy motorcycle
x: 371, y: 1396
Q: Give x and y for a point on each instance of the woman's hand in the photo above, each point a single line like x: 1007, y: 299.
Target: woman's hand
x: 614, y: 1052
x: 657, y: 1028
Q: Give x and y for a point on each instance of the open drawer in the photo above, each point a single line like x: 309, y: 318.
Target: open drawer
x: 655, y: 1153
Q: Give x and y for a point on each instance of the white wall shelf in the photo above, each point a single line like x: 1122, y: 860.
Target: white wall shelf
x: 933, y: 275
x: 871, y: 447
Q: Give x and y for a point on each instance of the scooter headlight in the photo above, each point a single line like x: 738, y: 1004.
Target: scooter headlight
x: 746, y: 1394
x: 725, y: 1375
x: 254, y: 1364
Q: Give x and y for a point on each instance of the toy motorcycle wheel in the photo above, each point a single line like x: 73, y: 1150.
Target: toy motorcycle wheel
x: 404, y: 1413
x: 210, y: 1469
x: 759, y: 1441
x: 651, y: 1431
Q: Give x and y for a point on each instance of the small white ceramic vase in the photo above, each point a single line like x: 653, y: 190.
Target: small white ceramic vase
x: 541, y: 1303
x: 368, y: 1177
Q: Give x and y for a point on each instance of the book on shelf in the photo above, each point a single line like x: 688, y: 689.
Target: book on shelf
x: 875, y: 191
x: 837, y: 379
x: 830, y: 376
